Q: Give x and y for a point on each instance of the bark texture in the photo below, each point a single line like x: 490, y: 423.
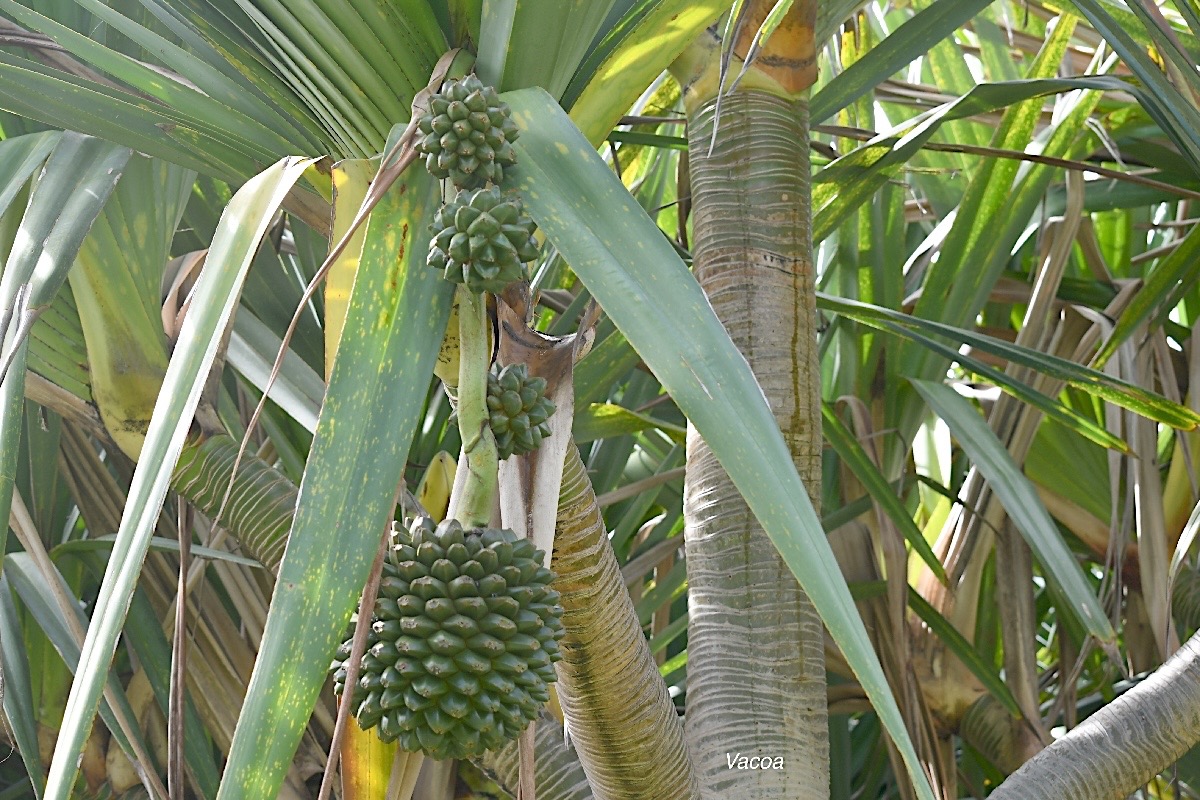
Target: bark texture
x: 1123, y: 745
x: 622, y: 721
x: 558, y: 775
x: 756, y: 671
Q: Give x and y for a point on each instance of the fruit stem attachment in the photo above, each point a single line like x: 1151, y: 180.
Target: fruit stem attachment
x: 472, y: 503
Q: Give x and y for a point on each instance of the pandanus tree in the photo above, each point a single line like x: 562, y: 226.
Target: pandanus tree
x: 218, y: 157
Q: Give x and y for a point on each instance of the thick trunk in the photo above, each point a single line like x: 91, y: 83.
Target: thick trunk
x: 756, y: 671
x: 622, y: 721
x: 1122, y: 746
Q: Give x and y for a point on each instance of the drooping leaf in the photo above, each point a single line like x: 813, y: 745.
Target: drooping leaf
x: 78, y: 179
x: 394, y: 327
x: 242, y: 227
x: 42, y: 602
x: 603, y: 420
x: 630, y: 56
x: 852, y: 453
x: 1160, y: 283
x: 1116, y: 391
x: 957, y: 644
x: 628, y: 265
x: 927, y: 27
x: 1023, y: 506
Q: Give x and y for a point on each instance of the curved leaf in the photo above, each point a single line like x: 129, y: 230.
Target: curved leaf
x: 911, y: 40
x: 632, y: 54
x: 1118, y: 392
x: 242, y: 227
x: 851, y: 452
x: 629, y: 266
x: 393, y: 330
x: 1023, y: 506
x: 78, y: 179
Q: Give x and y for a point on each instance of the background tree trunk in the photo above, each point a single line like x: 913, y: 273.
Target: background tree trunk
x: 1123, y: 745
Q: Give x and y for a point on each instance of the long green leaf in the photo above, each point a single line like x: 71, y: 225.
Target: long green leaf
x: 19, y: 157
x: 59, y: 100
x: 603, y: 420
x: 851, y: 452
x: 957, y: 643
x: 216, y: 115
x: 18, y: 706
x: 911, y: 40
x: 629, y: 267
x: 848, y: 182
x: 394, y: 326
x: 78, y: 179
x: 1163, y: 279
x: 1121, y: 393
x: 241, y: 229
x: 1173, y: 111
x: 144, y: 634
x: 30, y: 585
x: 211, y: 73
x: 298, y: 389
x: 1023, y: 506
x: 536, y: 42
x: 1052, y: 409
x: 632, y: 54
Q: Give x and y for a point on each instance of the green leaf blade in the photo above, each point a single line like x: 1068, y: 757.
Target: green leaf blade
x: 628, y: 266
x: 394, y: 327
x: 242, y: 228
x: 1022, y: 504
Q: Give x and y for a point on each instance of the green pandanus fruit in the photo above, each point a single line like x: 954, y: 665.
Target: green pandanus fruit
x: 518, y: 410
x: 468, y: 134
x: 482, y: 239
x: 463, y: 641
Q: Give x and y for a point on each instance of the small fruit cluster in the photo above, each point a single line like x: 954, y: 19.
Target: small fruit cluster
x: 517, y: 410
x: 482, y: 238
x: 463, y: 641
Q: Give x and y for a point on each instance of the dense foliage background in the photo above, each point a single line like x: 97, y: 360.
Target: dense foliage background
x: 1004, y: 247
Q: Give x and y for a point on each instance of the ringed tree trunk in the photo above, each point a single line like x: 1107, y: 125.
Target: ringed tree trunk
x: 1123, y: 745
x: 756, y: 668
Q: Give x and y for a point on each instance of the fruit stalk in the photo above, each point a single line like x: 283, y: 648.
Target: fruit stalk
x: 474, y: 496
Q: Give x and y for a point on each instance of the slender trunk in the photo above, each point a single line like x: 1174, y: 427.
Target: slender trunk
x: 1122, y: 746
x: 261, y: 505
x: 622, y: 721
x: 756, y: 670
x: 558, y: 774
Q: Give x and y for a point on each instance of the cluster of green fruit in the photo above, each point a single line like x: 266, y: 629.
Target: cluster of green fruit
x: 464, y: 633
x: 482, y: 238
x: 463, y: 642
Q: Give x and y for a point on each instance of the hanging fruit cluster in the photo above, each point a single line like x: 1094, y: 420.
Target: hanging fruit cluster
x: 481, y: 238
x: 468, y: 134
x: 518, y: 410
x: 464, y: 633
x: 463, y: 643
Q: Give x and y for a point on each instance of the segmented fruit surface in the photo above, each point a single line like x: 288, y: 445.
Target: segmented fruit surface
x: 518, y: 410
x: 482, y: 238
x: 468, y: 134
x: 463, y: 641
